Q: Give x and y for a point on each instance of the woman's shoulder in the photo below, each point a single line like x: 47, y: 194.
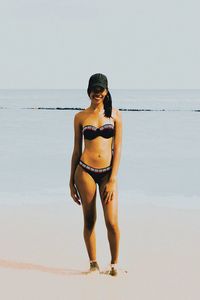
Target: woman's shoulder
x: 82, y: 113
x: 79, y: 116
x: 116, y: 113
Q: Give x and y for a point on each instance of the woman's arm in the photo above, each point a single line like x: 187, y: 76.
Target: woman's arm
x: 117, y: 145
x: 77, y: 151
x: 110, y: 187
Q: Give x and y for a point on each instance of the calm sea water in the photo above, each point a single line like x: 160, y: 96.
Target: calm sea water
x: 134, y: 99
x: 161, y: 150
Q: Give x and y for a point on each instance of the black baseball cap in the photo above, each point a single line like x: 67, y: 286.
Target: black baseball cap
x: 98, y: 79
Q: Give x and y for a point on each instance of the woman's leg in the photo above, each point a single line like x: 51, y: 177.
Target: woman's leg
x: 111, y: 220
x: 87, y: 190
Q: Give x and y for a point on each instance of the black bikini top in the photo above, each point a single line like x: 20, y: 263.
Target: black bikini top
x: 90, y: 132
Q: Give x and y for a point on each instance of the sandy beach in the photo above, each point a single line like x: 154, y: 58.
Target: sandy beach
x: 42, y: 253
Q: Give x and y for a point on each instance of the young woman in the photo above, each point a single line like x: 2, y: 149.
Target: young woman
x: 101, y: 127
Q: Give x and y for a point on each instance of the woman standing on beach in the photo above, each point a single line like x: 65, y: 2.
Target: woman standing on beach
x: 101, y: 126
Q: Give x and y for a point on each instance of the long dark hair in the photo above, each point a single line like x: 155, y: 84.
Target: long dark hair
x: 107, y: 102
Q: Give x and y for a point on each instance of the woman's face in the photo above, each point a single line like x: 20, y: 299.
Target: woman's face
x: 98, y: 94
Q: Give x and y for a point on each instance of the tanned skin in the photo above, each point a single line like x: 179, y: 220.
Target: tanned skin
x: 97, y: 153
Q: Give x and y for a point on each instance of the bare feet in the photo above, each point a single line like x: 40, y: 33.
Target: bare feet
x: 112, y: 270
x: 94, y: 267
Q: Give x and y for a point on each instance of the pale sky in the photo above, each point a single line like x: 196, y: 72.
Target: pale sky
x: 137, y: 44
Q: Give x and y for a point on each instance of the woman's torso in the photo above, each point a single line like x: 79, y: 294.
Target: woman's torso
x: 97, y: 152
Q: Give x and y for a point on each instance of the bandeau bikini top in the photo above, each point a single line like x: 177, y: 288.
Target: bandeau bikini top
x: 90, y: 132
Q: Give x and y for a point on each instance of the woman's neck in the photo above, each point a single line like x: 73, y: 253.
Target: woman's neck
x: 97, y: 108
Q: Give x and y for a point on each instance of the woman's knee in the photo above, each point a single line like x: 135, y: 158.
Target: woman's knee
x: 89, y: 222
x: 112, y: 226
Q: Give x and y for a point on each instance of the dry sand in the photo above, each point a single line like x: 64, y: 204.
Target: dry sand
x: 43, y: 255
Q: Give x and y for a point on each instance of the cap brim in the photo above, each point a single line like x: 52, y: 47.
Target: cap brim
x: 98, y: 84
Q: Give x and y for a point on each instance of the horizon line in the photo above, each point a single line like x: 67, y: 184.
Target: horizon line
x: 131, y: 89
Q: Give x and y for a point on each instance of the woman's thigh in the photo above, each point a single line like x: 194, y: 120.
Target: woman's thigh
x: 111, y: 208
x: 87, y: 190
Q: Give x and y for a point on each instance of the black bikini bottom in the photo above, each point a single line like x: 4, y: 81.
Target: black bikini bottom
x: 97, y: 174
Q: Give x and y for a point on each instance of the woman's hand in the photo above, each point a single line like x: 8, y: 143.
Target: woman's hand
x: 109, y: 191
x: 74, y: 193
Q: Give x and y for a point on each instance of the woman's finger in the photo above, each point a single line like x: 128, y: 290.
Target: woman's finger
x: 76, y: 193
x: 75, y: 196
x: 107, y: 197
x: 110, y: 198
x: 76, y: 199
x: 104, y: 192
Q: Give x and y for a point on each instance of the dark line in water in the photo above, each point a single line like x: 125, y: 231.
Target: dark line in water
x: 122, y: 109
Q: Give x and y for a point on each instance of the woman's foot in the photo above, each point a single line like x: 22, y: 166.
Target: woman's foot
x: 112, y: 270
x: 94, y: 267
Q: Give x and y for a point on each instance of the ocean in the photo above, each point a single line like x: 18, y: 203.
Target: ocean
x: 122, y: 99
x: 160, y: 154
